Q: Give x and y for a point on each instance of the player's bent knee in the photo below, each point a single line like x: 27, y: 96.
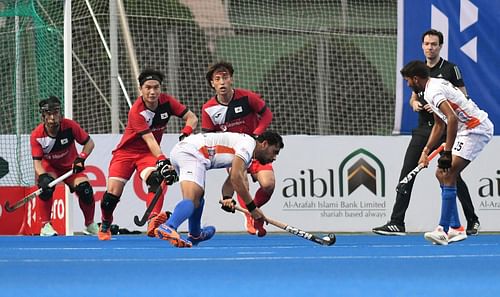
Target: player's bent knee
x: 267, y: 183
x: 268, y: 188
x: 109, y: 202
x: 153, y: 181
x: 85, y: 192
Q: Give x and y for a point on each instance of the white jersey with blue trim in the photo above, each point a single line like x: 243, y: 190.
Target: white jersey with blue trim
x: 468, y: 114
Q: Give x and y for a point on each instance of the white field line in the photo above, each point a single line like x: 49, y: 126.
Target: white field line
x: 247, y: 258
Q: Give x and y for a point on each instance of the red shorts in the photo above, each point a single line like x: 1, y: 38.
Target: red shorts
x: 256, y: 167
x: 123, y: 164
x: 60, y: 171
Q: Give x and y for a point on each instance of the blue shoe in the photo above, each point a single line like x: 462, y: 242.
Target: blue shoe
x: 206, y: 233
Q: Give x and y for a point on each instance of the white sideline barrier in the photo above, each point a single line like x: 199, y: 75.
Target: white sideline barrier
x: 325, y: 162
x: 323, y: 183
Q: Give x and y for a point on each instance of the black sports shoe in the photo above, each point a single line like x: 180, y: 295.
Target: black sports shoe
x: 390, y: 229
x: 473, y: 228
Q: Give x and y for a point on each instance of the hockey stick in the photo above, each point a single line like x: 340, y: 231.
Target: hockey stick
x: 23, y: 201
x: 148, y: 211
x: 328, y: 240
x: 402, y: 185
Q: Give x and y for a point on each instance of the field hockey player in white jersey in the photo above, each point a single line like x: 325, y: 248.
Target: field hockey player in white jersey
x: 468, y: 131
x: 196, y: 154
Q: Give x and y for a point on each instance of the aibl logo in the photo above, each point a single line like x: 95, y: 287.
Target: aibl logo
x: 360, y: 169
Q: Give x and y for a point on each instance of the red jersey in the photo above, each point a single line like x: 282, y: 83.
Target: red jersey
x: 142, y: 120
x: 60, y: 151
x: 246, y: 113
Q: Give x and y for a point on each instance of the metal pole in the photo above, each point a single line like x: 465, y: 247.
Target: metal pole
x: 128, y: 41
x: 173, y: 62
x: 113, y: 41
x: 68, y: 100
x: 18, y: 81
x: 322, y: 66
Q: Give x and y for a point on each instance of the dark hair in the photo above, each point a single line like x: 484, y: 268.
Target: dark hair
x: 272, y: 138
x: 221, y: 65
x: 415, y: 68
x: 50, y: 104
x: 435, y: 33
x: 149, y: 74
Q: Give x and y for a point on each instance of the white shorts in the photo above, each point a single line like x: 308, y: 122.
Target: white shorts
x: 469, y: 143
x: 189, y: 163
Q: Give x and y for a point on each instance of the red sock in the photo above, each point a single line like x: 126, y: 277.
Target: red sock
x: 159, y: 204
x: 261, y: 197
x: 45, y: 208
x: 241, y: 201
x: 88, y: 211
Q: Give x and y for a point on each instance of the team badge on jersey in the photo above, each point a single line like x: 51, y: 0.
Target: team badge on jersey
x: 238, y: 109
x: 47, y: 143
x: 64, y: 141
x: 148, y: 116
x: 164, y: 115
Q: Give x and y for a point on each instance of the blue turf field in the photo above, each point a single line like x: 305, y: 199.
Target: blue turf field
x: 243, y: 265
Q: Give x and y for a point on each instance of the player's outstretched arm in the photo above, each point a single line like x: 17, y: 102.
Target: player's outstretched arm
x: 153, y: 146
x: 238, y: 176
x: 451, y: 125
x: 227, y: 201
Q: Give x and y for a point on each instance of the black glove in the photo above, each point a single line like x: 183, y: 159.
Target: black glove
x: 170, y: 176
x: 163, y: 164
x: 165, y: 169
x: 226, y: 208
x: 444, y: 162
x: 182, y: 136
x: 44, y: 180
x: 78, y: 165
x: 43, y: 183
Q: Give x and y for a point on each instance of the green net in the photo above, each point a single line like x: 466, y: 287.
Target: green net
x: 324, y: 67
x: 31, y: 56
